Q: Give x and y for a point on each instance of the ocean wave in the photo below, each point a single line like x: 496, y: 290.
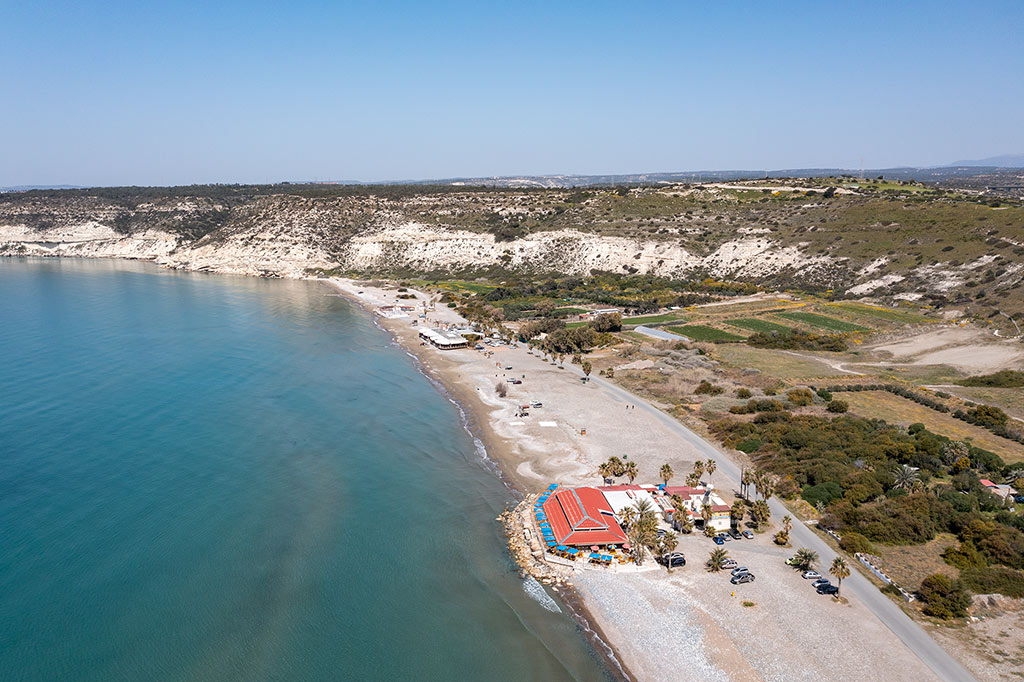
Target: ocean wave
x: 537, y: 592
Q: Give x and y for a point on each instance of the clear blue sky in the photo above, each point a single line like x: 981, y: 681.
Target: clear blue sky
x: 174, y: 93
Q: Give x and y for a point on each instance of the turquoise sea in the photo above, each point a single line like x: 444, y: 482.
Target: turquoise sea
x: 206, y: 477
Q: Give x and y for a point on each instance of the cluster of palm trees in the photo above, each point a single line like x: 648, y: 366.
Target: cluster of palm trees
x: 641, y: 525
x: 700, y: 467
x: 616, y: 466
x: 765, y: 483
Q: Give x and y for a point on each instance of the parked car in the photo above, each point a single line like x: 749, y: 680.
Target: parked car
x: 661, y: 532
x: 748, y: 535
x: 515, y: 381
x: 742, y: 578
x: 735, y: 534
x: 536, y: 403
x: 828, y: 589
x: 508, y: 368
x: 724, y: 537
x: 718, y: 540
x: 820, y: 582
x: 811, y: 575
x: 739, y: 570
x: 675, y: 559
x: 729, y: 563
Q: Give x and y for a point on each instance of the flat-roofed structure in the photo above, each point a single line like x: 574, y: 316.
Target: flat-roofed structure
x: 443, y: 340
x: 582, y: 517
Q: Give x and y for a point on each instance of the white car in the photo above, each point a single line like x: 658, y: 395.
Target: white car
x: 811, y: 575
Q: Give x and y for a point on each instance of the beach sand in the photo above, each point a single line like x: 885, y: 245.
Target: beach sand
x: 683, y: 626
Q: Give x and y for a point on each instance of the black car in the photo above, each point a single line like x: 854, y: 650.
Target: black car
x: 828, y: 589
x: 736, y: 535
x: 675, y: 559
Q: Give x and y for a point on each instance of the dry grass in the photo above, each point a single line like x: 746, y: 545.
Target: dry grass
x: 774, y: 363
x: 1011, y: 400
x: 910, y: 564
x: 897, y: 410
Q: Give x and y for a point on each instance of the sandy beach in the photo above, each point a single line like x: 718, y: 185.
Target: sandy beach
x: 688, y: 625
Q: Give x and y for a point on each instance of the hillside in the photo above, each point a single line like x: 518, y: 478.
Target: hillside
x: 877, y: 238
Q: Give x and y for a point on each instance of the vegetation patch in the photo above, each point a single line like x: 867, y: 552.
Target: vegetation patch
x: 700, y: 332
x: 824, y: 322
x: 1007, y: 378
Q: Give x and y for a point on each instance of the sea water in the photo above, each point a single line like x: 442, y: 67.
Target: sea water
x: 206, y: 477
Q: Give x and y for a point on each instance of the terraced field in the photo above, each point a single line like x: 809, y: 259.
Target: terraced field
x: 699, y: 332
x: 878, y: 312
x: 775, y: 363
x: 758, y: 325
x: 824, y: 322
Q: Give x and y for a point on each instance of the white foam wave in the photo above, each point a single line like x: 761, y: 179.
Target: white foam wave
x: 537, y: 592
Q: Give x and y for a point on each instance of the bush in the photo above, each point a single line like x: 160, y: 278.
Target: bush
x: 824, y: 395
x: 823, y: 493
x: 501, y: 388
x: 707, y: 388
x: 837, y: 406
x: 855, y: 543
x: 743, y: 393
x: 984, y: 580
x: 943, y: 598
x: 1007, y: 378
x: 797, y: 340
x: 800, y: 397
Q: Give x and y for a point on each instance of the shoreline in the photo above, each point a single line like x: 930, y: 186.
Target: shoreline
x: 474, y: 421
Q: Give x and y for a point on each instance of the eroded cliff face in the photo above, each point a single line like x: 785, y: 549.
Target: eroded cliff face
x: 670, y: 231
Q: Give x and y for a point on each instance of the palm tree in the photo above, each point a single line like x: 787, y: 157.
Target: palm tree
x: 668, y: 545
x: 616, y: 465
x: 806, y: 558
x: 716, y: 562
x: 683, y: 521
x: 606, y: 471
x: 787, y: 523
x: 628, y: 516
x: 710, y: 466
x: 767, y: 486
x: 737, y: 512
x: 761, y: 512
x: 630, y: 471
x: 692, y: 480
x: 905, y: 477
x: 840, y: 570
x: 666, y: 473
x: 698, y: 468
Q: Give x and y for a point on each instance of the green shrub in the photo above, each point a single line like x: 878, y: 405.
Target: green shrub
x: 743, y: 393
x: 837, y: 406
x: 1007, y: 378
x: 943, y: 598
x: 800, y: 397
x: 989, y: 580
x: 823, y: 492
x: 855, y: 543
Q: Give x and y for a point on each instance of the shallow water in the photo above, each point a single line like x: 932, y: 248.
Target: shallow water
x: 221, y: 478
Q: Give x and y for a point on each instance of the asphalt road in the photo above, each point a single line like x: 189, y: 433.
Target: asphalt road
x: 856, y: 586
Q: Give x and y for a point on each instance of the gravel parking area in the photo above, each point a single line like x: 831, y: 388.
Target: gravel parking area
x: 791, y: 633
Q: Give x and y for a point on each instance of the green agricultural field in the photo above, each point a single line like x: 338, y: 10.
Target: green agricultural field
x: 571, y: 311
x: 454, y: 285
x: 755, y: 325
x: 891, y: 314
x: 824, y: 322
x: 699, y: 332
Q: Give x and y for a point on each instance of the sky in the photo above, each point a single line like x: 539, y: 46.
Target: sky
x: 170, y: 93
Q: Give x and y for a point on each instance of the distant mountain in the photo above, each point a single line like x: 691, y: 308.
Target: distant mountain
x: 1003, y: 161
x: 25, y: 188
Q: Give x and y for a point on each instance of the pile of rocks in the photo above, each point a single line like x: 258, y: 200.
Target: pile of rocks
x: 524, y: 547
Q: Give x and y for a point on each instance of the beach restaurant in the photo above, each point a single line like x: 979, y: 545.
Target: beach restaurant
x: 443, y: 340
x: 577, y: 517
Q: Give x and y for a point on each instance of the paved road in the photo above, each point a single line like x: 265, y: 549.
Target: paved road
x: 857, y: 586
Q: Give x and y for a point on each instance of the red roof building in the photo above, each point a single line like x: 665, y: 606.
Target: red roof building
x: 582, y: 517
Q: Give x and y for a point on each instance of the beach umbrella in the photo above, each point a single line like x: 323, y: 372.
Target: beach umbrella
x: 561, y: 548
x: 552, y: 486
x: 594, y: 548
x: 625, y: 545
x: 595, y: 555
